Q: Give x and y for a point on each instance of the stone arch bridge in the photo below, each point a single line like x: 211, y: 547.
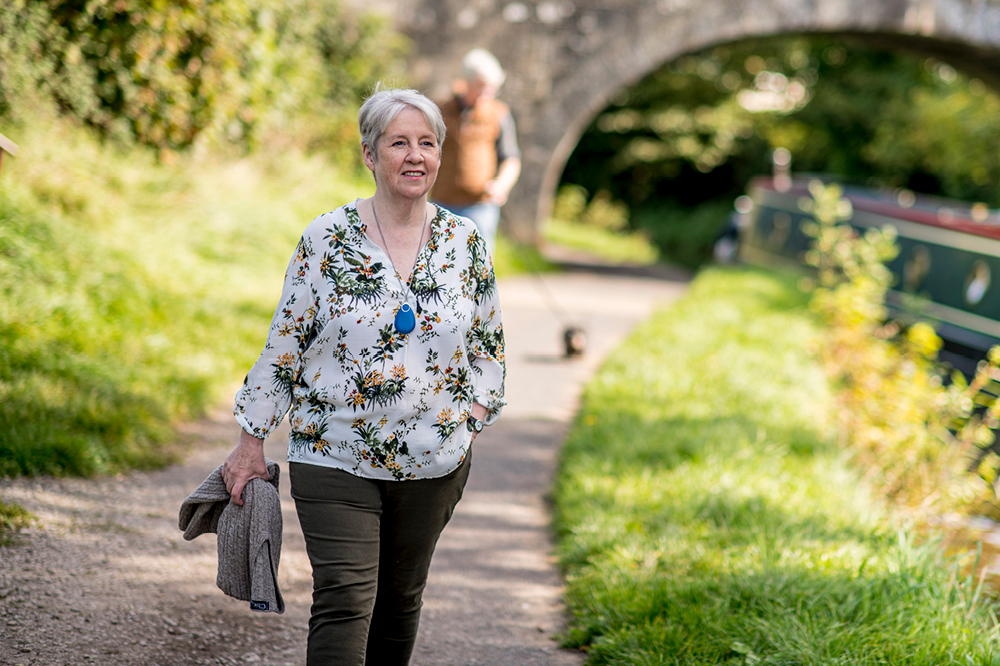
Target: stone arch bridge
x: 567, y: 58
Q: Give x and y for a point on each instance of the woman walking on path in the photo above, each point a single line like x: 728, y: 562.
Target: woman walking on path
x: 387, y: 348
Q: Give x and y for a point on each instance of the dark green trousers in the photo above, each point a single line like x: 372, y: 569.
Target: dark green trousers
x: 370, y: 545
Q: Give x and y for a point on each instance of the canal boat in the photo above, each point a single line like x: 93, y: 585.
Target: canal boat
x: 949, y: 252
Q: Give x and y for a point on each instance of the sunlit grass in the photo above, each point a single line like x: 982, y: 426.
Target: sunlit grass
x: 12, y: 519
x: 133, y: 293
x: 512, y: 258
x: 704, y: 516
x: 612, y: 246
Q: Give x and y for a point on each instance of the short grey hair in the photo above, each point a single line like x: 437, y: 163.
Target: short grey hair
x: 481, y: 64
x: 382, y: 107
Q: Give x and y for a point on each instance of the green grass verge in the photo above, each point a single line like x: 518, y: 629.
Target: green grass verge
x: 611, y: 246
x: 704, y: 517
x: 512, y: 258
x: 134, y: 293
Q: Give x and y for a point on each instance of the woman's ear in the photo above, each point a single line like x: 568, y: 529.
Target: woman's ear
x: 369, y: 157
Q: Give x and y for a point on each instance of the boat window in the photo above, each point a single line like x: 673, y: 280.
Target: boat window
x: 916, y: 268
x: 977, y: 283
x: 779, y: 232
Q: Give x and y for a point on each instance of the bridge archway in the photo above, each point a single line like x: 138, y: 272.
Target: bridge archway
x: 567, y: 58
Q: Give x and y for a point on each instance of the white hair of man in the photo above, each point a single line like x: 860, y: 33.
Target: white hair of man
x: 382, y: 107
x: 481, y: 64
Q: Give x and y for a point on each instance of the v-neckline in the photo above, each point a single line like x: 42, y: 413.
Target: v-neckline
x: 362, y: 229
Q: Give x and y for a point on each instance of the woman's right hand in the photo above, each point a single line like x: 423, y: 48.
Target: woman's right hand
x: 246, y: 462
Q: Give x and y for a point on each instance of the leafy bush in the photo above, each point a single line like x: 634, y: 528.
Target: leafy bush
x: 683, y: 235
x: 667, y: 231
x: 598, y: 228
x: 915, y: 437
x: 170, y: 73
x: 32, y: 75
x: 601, y: 211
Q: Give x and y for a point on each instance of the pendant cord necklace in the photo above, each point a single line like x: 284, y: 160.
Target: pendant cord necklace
x: 405, y: 320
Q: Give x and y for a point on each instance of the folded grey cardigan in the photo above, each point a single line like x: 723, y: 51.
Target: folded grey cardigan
x: 249, y: 541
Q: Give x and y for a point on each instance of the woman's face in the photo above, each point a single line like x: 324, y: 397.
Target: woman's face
x: 408, y: 156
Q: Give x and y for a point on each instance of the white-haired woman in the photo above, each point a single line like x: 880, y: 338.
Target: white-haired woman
x: 387, y: 348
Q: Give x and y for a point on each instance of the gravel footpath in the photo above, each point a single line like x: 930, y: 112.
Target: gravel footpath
x: 106, y: 577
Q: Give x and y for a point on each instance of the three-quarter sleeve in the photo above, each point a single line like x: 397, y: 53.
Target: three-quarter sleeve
x: 266, y: 394
x: 485, y: 336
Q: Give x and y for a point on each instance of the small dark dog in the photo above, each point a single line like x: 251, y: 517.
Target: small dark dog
x: 574, y: 340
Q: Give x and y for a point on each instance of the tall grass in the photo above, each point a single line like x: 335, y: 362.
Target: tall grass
x: 13, y: 518
x: 598, y: 228
x: 134, y: 293
x: 618, y: 247
x: 705, y: 517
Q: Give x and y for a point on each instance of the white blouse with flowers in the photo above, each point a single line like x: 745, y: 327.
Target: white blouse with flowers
x: 363, y: 397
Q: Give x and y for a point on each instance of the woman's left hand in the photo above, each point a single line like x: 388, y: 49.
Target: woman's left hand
x: 246, y: 462
x: 478, y: 412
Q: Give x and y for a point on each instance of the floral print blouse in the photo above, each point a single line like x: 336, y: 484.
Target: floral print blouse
x: 363, y: 397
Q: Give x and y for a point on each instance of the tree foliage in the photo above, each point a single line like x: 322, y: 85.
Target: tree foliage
x: 169, y: 73
x: 699, y: 127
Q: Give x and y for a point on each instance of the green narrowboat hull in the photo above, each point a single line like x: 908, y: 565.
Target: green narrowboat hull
x: 948, y: 255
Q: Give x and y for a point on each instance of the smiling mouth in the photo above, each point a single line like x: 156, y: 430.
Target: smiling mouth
x: 413, y: 173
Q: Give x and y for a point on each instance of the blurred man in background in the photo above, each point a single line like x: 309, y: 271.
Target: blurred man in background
x: 480, y: 160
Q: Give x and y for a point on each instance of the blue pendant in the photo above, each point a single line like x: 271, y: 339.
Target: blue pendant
x: 405, y: 319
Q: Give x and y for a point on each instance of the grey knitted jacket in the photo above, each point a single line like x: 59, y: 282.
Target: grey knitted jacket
x: 249, y: 539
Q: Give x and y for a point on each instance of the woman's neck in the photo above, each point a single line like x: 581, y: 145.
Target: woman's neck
x: 396, y: 212
x: 399, y: 231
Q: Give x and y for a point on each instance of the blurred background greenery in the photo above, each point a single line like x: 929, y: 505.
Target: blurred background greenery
x: 671, y: 153
x: 250, y: 74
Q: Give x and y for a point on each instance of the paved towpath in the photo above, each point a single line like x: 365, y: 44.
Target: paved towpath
x: 494, y: 593
x: 107, y: 579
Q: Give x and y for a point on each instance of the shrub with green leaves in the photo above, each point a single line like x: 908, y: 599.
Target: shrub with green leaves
x: 917, y: 438
x: 684, y: 235
x: 599, y: 228
x: 170, y: 73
